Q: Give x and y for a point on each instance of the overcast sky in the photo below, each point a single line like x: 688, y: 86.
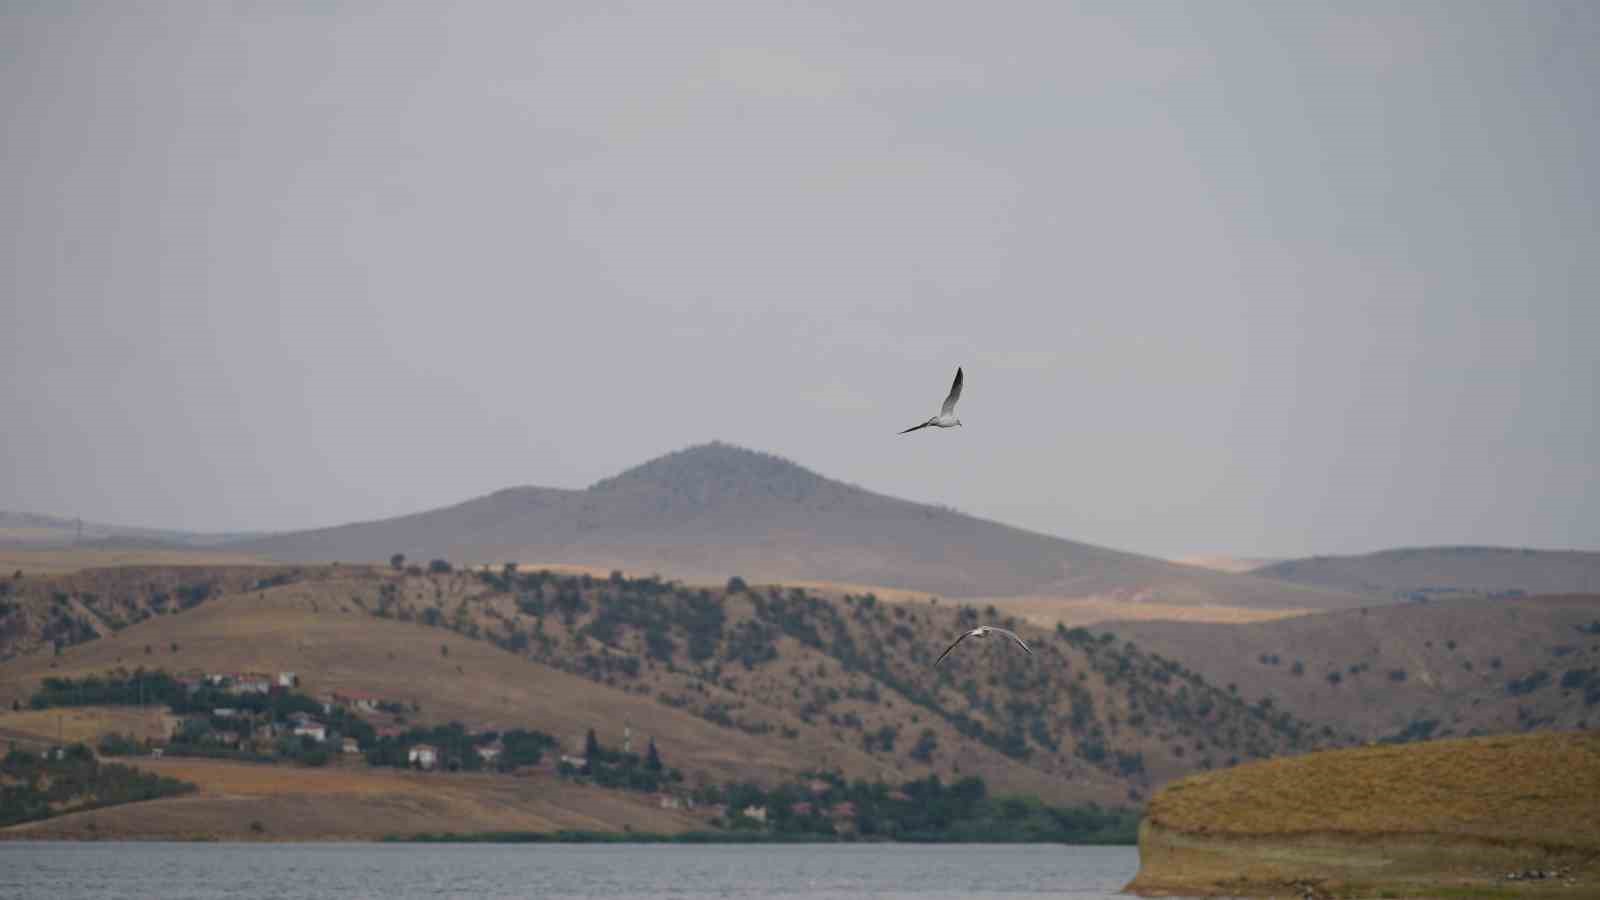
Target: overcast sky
x: 1260, y: 279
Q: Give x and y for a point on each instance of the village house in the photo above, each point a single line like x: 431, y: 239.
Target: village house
x: 801, y: 808
x: 287, y: 679
x: 225, y: 712
x: 228, y: 738
x: 390, y: 731
x: 351, y: 746
x: 667, y: 801
x: 817, y: 787
x: 423, y: 756
x: 257, y: 685
x: 490, y: 752
x: 357, y: 700
x: 313, y: 729
x: 843, y: 810
x: 755, y: 813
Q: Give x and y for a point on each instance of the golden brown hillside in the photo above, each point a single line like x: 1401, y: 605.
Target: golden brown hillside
x: 1402, y: 819
x: 744, y: 683
x: 242, y: 801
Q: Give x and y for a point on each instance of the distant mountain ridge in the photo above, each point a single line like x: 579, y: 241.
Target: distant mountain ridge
x: 25, y: 529
x: 715, y: 510
x: 1414, y: 573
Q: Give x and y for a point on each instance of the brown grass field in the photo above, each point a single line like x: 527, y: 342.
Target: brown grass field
x: 354, y: 803
x: 1543, y: 788
x: 1440, y: 819
x: 86, y: 724
x: 1234, y: 564
x: 60, y: 562
x: 1047, y: 612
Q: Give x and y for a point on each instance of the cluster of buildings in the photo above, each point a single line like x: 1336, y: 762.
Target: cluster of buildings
x: 421, y: 756
x: 240, y: 682
x: 298, y: 724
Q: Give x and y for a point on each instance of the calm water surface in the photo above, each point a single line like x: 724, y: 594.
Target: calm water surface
x: 403, y: 871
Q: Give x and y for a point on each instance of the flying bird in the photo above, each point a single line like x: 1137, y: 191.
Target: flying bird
x: 981, y: 631
x: 947, y: 415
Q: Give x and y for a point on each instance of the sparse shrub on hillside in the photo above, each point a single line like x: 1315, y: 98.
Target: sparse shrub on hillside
x: 1299, y: 668
x: 881, y: 740
x: 1397, y: 674
x: 1417, y: 730
x: 1586, y: 680
x: 397, y: 561
x: 1091, y: 748
x: 1527, y: 684
x: 927, y: 743
x: 1334, y: 678
x: 439, y: 567
x: 116, y: 744
x: 203, y: 591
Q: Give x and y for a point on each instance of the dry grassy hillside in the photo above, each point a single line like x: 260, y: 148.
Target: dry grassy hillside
x: 81, y: 604
x: 1441, y: 668
x: 1444, y: 818
x: 240, y: 801
x: 28, y: 560
x: 1543, y: 788
x: 708, y: 511
x: 745, y: 683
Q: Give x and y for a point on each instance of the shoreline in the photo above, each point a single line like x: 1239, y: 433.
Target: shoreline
x: 697, y: 838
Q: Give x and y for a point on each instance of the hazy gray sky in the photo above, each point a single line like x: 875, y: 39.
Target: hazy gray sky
x: 1249, y: 278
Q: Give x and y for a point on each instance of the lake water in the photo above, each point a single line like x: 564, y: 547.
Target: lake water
x: 613, y: 872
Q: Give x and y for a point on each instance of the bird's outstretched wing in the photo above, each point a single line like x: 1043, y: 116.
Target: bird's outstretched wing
x: 915, y: 427
x: 964, y: 636
x: 1013, y: 635
x: 955, y: 394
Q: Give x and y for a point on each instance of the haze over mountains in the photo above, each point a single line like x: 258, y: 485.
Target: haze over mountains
x: 715, y: 510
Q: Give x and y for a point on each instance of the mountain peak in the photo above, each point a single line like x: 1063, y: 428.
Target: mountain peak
x: 717, y: 469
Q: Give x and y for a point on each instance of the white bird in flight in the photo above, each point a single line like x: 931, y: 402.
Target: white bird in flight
x: 981, y: 631
x: 947, y: 415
